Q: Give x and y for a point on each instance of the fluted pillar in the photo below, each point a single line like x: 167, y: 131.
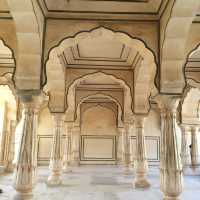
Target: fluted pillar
x: 11, y: 147
x: 55, y: 165
x: 75, y: 146
x: 185, y: 145
x: 119, y: 146
x: 26, y: 162
x: 194, y: 147
x: 67, y: 148
x: 141, y: 163
x: 170, y: 162
x: 126, y: 149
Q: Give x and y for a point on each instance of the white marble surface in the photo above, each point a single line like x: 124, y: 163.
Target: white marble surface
x: 99, y: 183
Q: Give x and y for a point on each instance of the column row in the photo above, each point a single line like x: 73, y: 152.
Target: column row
x: 170, y: 163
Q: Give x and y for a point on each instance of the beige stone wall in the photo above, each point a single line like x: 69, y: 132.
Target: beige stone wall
x: 98, y: 120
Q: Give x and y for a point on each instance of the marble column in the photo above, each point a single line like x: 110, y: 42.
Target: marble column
x: 75, y: 146
x: 55, y: 165
x: 67, y: 148
x: 194, y: 147
x: 26, y: 163
x: 170, y: 162
x: 119, y: 146
x: 11, y: 147
x: 126, y: 149
x: 141, y: 163
x: 185, y: 146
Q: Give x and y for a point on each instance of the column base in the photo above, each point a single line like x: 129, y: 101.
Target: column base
x: 142, y: 183
x: 66, y: 169
x: 54, y: 180
x: 171, y: 198
x: 23, y: 195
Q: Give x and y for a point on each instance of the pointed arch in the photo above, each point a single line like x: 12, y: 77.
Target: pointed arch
x: 190, y: 107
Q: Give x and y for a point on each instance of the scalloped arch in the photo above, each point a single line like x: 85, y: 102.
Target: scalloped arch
x: 55, y: 70
x: 120, y: 123
x: 70, y: 112
x: 190, y: 107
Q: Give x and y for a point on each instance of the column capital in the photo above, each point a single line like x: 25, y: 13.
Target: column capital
x: 68, y: 126
x: 167, y: 103
x: 58, y: 116
x: 194, y: 129
x: 33, y: 100
x: 185, y: 128
x: 121, y: 130
x: 139, y: 120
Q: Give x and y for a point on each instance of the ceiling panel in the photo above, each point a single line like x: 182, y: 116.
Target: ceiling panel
x: 148, y: 9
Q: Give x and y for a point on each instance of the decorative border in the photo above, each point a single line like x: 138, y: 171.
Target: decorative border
x: 82, y: 147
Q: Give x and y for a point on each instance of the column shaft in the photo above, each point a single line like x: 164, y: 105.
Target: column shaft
x: 119, y: 146
x: 170, y: 163
x: 11, y: 148
x: 67, y: 144
x: 26, y: 163
x: 56, y: 153
x: 185, y: 146
x: 141, y: 163
x: 194, y: 147
x: 76, y: 146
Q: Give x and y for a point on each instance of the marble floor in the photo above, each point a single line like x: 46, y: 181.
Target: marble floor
x: 99, y: 183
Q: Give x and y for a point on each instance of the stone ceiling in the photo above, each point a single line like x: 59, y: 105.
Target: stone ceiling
x: 98, y: 9
x: 102, y: 8
x: 101, y: 53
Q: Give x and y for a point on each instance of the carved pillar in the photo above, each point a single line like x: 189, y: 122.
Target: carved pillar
x: 119, y: 146
x: 185, y: 146
x: 126, y: 149
x: 11, y: 148
x: 141, y: 163
x: 26, y: 163
x: 67, y: 149
x: 194, y: 147
x: 56, y: 154
x: 3, y: 137
x: 170, y: 162
x: 75, y: 146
